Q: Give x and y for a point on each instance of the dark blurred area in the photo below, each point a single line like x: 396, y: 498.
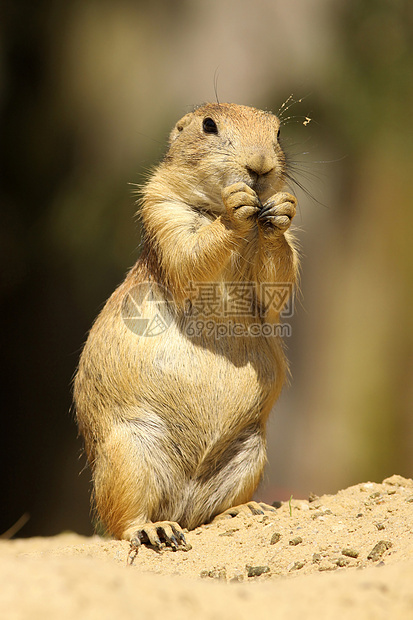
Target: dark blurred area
x: 88, y: 93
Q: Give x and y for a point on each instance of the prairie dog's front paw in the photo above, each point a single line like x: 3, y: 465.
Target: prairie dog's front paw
x: 277, y: 212
x: 242, y: 205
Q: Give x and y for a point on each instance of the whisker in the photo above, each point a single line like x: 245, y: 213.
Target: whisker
x: 151, y: 138
x: 304, y: 189
x: 304, y: 170
x: 216, y: 76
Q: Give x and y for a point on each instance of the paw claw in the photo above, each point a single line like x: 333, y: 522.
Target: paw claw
x: 250, y: 508
x: 255, y: 508
x: 278, y: 212
x: 158, y: 536
x: 180, y: 535
x: 267, y: 507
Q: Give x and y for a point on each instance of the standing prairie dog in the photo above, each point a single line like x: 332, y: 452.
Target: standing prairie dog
x: 174, y: 419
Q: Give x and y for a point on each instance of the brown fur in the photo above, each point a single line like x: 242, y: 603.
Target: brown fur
x: 174, y: 425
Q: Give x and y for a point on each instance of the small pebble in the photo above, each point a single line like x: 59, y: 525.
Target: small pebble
x: 316, y: 558
x: 237, y: 577
x: 350, y: 553
x: 315, y: 504
x: 297, y: 566
x: 312, y: 497
x: 275, y: 538
x: 229, y: 532
x: 256, y: 571
x: 219, y: 573
x: 409, y: 500
x: 380, y: 526
x: 366, y: 486
x: 296, y: 541
x: 342, y: 562
x: 277, y: 504
x: 378, y: 550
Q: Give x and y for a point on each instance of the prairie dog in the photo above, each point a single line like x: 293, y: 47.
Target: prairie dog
x: 174, y: 420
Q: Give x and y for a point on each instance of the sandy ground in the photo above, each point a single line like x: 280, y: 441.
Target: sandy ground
x: 348, y: 555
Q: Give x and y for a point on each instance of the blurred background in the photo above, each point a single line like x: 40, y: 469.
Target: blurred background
x: 89, y: 91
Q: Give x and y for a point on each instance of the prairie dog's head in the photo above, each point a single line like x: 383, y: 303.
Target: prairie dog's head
x: 223, y: 143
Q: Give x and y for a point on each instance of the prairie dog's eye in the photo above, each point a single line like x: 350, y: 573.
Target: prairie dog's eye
x: 278, y: 132
x: 209, y: 125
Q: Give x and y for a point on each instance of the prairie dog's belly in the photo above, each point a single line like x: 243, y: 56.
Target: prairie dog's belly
x: 196, y: 391
x: 209, y: 384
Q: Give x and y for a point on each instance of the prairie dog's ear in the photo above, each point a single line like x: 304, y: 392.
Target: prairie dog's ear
x: 180, y: 125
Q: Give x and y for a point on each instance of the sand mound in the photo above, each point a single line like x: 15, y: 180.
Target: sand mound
x: 344, y: 555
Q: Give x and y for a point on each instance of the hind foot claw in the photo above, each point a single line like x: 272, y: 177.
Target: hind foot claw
x: 158, y: 536
x: 250, y: 508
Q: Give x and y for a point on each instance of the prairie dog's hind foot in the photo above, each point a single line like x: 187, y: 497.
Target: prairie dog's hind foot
x: 250, y: 508
x: 158, y: 536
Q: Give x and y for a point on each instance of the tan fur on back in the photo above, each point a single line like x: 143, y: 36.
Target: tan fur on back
x: 174, y: 424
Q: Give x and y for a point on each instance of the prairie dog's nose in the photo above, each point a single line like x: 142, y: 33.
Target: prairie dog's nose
x: 259, y: 163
